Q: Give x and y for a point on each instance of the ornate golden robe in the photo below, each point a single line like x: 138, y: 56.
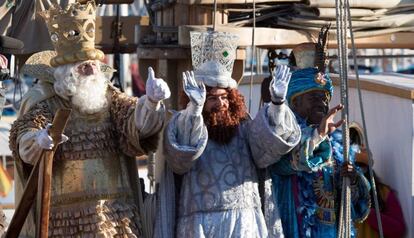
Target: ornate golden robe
x: 91, y: 191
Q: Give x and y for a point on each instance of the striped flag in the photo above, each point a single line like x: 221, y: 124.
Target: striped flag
x: 5, y: 182
x: 3, y: 62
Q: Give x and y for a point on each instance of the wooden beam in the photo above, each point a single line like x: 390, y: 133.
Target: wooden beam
x: 257, y: 79
x: 238, y: 70
x: 228, y: 2
x: 366, y: 84
x: 108, y: 1
x: 174, y: 52
x: 375, y: 86
x: 160, y: 52
x: 123, y: 49
x: 104, y: 37
x: 398, y: 40
x: 273, y: 38
x: 263, y: 35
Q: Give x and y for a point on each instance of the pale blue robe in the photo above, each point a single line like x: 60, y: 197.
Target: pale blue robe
x: 219, y: 192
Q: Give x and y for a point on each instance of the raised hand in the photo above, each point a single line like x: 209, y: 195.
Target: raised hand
x: 327, y: 124
x: 196, y: 92
x: 348, y: 170
x: 45, y: 141
x: 279, y: 85
x: 156, y: 88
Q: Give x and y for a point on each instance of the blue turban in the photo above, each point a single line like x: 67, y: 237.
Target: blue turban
x: 303, y: 80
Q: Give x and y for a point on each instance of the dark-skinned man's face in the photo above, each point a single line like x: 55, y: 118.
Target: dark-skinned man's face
x: 312, y: 106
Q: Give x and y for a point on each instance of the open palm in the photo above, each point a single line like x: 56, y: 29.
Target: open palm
x: 280, y: 82
x: 196, y: 92
x: 327, y: 124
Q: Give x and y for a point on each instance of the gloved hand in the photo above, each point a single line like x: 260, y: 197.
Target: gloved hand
x: 196, y: 92
x: 44, y: 140
x: 156, y: 88
x: 279, y: 85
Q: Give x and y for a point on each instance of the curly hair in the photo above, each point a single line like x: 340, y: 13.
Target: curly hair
x: 223, y: 125
x: 237, y: 107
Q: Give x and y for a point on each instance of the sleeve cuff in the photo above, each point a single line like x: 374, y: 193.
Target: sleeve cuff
x: 276, y: 113
x: 194, y: 110
x: 150, y: 105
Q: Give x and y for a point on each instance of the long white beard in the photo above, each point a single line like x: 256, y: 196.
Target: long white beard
x: 86, y: 93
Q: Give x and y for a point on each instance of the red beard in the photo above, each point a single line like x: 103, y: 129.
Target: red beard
x: 221, y: 125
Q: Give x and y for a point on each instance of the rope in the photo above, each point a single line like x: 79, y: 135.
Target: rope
x: 344, y: 228
x: 371, y: 174
x: 252, y: 56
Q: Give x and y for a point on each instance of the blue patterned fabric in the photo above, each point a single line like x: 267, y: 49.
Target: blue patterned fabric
x: 282, y: 189
x: 303, y: 80
x: 313, y: 210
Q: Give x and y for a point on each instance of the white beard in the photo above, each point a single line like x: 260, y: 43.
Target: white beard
x: 86, y: 93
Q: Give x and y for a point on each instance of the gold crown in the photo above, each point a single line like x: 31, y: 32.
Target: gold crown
x: 72, y: 31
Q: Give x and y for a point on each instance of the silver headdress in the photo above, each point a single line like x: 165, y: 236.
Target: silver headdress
x: 213, y: 55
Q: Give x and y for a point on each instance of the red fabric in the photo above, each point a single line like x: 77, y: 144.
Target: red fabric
x: 3, y: 62
x: 392, y: 218
x: 138, y: 85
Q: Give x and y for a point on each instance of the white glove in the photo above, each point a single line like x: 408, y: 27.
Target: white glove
x: 196, y: 92
x: 279, y: 85
x: 45, y: 141
x: 156, y: 88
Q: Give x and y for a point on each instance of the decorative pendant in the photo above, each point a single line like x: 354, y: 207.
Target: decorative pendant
x: 320, y: 79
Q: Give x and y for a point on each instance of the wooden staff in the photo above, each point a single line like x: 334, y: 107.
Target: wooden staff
x: 22, y: 210
x: 40, y: 184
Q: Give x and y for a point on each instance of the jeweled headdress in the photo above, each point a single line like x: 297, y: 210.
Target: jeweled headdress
x: 311, y: 61
x: 213, y: 55
x: 72, y: 31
